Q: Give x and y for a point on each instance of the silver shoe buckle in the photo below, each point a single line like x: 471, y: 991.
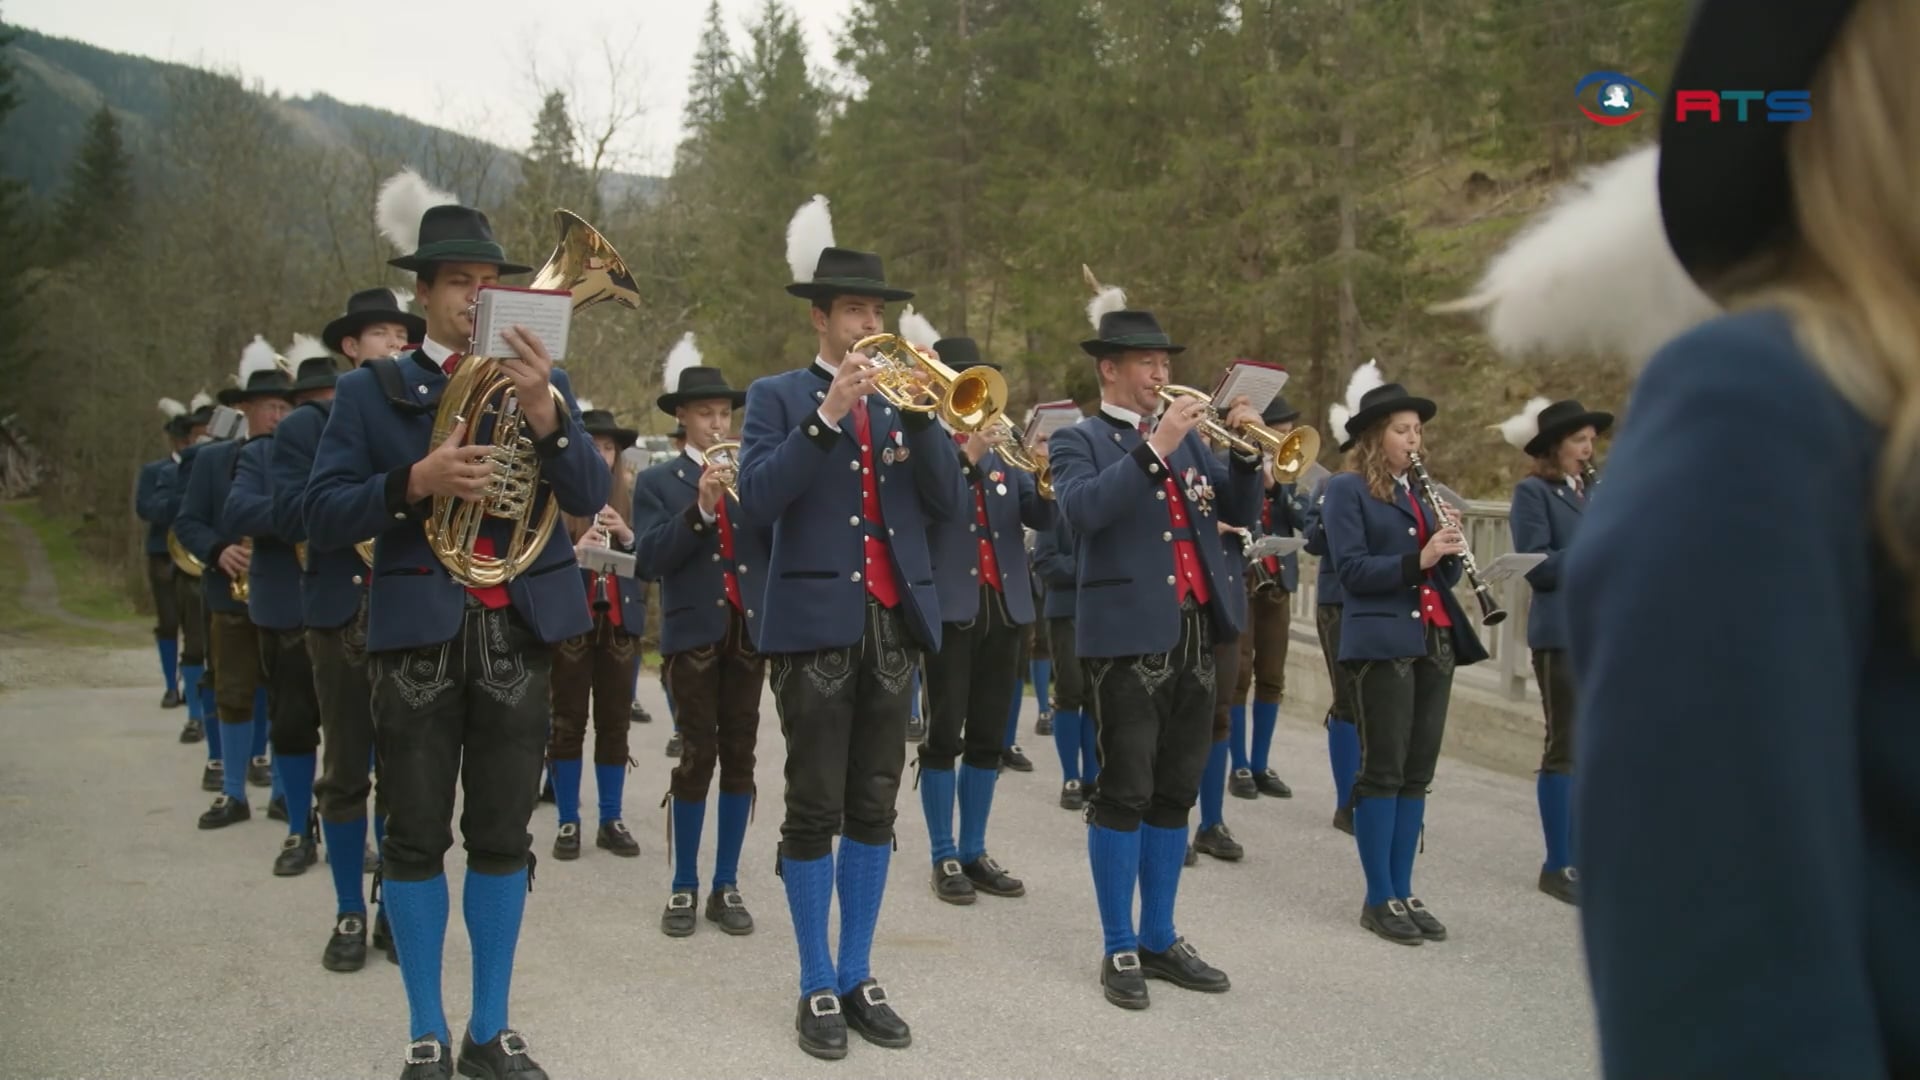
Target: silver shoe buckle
x: 873, y: 994
x: 731, y: 899
x: 1182, y: 945
x: 824, y: 1004
x: 423, y: 1052
x: 950, y: 867
x: 1126, y: 961
x: 1395, y: 907
x: 350, y: 924
x: 513, y: 1043
x: 680, y: 901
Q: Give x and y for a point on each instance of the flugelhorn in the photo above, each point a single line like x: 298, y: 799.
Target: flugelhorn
x: 1491, y: 613
x: 966, y: 401
x: 1293, y: 453
x: 1010, y: 442
x: 724, y: 456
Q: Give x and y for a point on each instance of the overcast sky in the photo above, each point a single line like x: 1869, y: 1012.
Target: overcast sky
x: 470, y: 65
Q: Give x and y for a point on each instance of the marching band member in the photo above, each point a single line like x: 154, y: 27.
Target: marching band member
x: 1211, y: 836
x: 1140, y: 498
x: 1391, y: 557
x: 1012, y: 754
x: 1547, y: 508
x: 596, y: 668
x: 1263, y: 645
x: 1073, y: 737
x: 1343, y: 733
x: 333, y: 595
x: 460, y: 675
x: 196, y: 675
x: 712, y: 569
x: 274, y: 607
x: 150, y: 505
x: 239, y: 683
x: 848, y: 485
x: 986, y: 602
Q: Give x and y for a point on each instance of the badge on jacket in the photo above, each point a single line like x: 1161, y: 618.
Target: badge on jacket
x: 1199, y: 491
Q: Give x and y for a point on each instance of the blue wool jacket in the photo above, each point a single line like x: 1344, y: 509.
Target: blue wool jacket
x: 152, y: 502
x: 1053, y: 562
x: 201, y: 525
x: 273, y: 574
x: 1543, y: 519
x: 333, y: 583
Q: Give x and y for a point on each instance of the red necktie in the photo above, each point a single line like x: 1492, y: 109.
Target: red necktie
x: 862, y: 428
x: 1146, y: 428
x: 451, y: 363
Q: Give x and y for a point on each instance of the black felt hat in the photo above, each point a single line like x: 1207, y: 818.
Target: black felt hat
x: 1383, y: 401
x: 700, y: 384
x: 366, y: 308
x: 456, y: 234
x: 316, y: 373
x: 1279, y: 411
x: 261, y: 374
x: 1121, y: 331
x: 845, y: 272
x: 603, y: 422
x: 961, y: 353
x: 1561, y: 419
x: 1724, y: 190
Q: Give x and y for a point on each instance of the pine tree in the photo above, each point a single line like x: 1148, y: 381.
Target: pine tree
x: 713, y: 73
x: 96, y: 206
x: 16, y: 235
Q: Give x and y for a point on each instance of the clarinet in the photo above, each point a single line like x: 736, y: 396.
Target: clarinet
x: 1491, y: 614
x: 1588, y: 477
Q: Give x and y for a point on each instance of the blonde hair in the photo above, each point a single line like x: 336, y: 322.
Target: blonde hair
x: 1851, y: 277
x: 1369, y: 458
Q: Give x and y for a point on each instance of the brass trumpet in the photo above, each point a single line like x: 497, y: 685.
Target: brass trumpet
x: 965, y: 400
x: 724, y: 456
x: 1293, y: 453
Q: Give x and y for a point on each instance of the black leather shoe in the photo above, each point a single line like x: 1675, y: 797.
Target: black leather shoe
x: 1122, y: 982
x: 1193, y: 856
x: 170, y: 699
x: 638, y: 714
x: 1271, y: 785
x: 1240, y: 785
x: 347, y: 948
x: 1072, y: 797
x: 1218, y: 841
x: 950, y: 882
x: 916, y: 729
x: 1390, y: 921
x: 192, y: 732
x: 428, y: 1059
x: 1016, y: 759
x: 566, y: 845
x: 613, y: 836
x: 296, y: 854
x: 679, y: 920
x: 673, y: 746
x: 225, y: 811
x: 1181, y: 965
x: 821, y: 1025
x: 276, y: 806
x: 213, y: 777
x: 726, y: 910
x: 504, y: 1055
x: 989, y: 878
x: 868, y: 1013
x: 1044, y: 725
x: 1343, y: 820
x: 1430, y: 928
x: 1562, y: 884
x: 260, y: 772
x: 383, y: 937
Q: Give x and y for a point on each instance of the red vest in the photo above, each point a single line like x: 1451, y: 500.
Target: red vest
x: 877, y: 571
x: 1432, y: 611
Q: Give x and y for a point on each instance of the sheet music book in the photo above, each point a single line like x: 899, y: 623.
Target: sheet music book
x: 1049, y: 418
x: 607, y: 561
x: 1259, y: 383
x: 546, y: 312
x: 1509, y: 565
x: 1268, y: 547
x: 226, y: 423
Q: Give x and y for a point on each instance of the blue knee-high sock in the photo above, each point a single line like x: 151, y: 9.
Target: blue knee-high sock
x: 1162, y: 853
x: 235, y: 739
x: 1213, y: 789
x: 169, y: 661
x: 1237, y: 736
x: 1556, y: 814
x: 1266, y: 715
x: 976, y: 806
x: 209, y: 706
x: 689, y: 819
x: 1406, y: 841
x: 916, y: 693
x: 566, y: 789
x: 1043, y: 684
x: 1115, y: 859
x: 1089, y: 749
x: 611, y: 783
x: 1066, y: 740
x: 493, y: 904
x: 1373, y: 821
x: 417, y: 914
x: 1013, y: 714
x: 735, y: 808
x: 863, y: 883
x: 190, y: 690
x: 296, y: 775
x: 345, y: 841
x: 809, y: 898
x: 1343, y: 753
x: 936, y: 799
x: 261, y: 725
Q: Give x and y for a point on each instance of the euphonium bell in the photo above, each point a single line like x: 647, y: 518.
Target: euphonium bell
x: 724, y: 456
x: 966, y: 401
x: 184, y: 560
x: 1010, y: 442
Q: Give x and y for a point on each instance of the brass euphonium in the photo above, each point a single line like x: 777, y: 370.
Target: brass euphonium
x: 1292, y: 453
x: 584, y: 263
x: 965, y: 400
x: 184, y: 560
x: 724, y: 456
x: 1010, y: 442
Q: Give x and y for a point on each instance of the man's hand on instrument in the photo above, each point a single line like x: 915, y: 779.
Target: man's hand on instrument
x: 976, y: 446
x: 852, y: 382
x: 235, y: 559
x: 451, y: 470
x: 1240, y: 413
x: 1181, y: 416
x: 531, y: 370
x: 712, y: 488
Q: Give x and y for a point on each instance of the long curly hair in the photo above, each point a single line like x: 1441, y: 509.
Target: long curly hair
x: 1369, y: 458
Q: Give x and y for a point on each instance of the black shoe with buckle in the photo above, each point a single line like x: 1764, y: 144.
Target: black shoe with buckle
x: 1072, y: 796
x: 679, y: 919
x: 989, y: 878
x: 276, y: 806
x: 950, y: 882
x: 428, y: 1059
x: 868, y: 1013
x: 1271, y: 785
x: 1343, y: 820
x: 673, y: 746
x: 296, y: 854
x: 171, y: 699
x: 1016, y: 759
x: 213, y: 777
x: 504, y: 1055
x: 347, y: 948
x: 1044, y: 725
x: 1218, y: 841
x: 225, y: 811
x: 1430, y: 928
x: 614, y: 837
x: 726, y: 910
x: 1122, y: 982
x: 260, y: 772
x: 1562, y: 884
x: 1391, y: 921
x: 638, y: 714
x: 383, y: 937
x: 192, y: 731
x: 566, y: 845
x: 1181, y: 965
x: 1240, y: 785
x: 821, y: 1025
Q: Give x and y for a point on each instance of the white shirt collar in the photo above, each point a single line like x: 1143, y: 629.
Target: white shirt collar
x: 436, y: 352
x: 176, y: 457
x: 831, y: 369
x: 694, y: 455
x: 1124, y: 415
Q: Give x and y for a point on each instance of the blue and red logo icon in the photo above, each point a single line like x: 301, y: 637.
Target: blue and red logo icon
x: 1617, y: 99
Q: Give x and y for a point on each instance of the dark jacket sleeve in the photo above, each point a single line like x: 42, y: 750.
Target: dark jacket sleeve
x: 1533, y: 535
x: 289, y: 466
x: 249, y: 508
x: 198, y: 524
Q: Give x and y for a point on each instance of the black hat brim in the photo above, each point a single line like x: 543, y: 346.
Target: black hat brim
x: 350, y: 325
x: 1553, y: 433
x: 624, y: 438
x: 234, y: 395
x: 1379, y: 411
x: 827, y: 290
x: 1100, y: 347
x: 460, y: 252
x: 668, y: 403
x: 319, y: 382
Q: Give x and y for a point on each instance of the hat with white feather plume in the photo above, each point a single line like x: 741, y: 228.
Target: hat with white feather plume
x: 822, y: 271
x: 313, y: 366
x: 685, y: 380
x: 262, y: 373
x: 371, y: 307
x: 200, y: 409
x: 1370, y: 399
x: 429, y: 226
x: 1540, y: 425
x: 1119, y: 329
x: 176, y: 417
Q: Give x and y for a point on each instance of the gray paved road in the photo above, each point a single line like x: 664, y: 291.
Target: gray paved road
x: 138, y: 946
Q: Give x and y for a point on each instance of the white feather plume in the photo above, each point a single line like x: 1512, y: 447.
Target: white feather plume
x: 404, y: 198
x: 808, y: 234
x: 1593, y: 274
x: 306, y: 347
x: 685, y: 354
x: 1366, y: 378
x: 585, y: 405
x: 1337, y: 417
x: 916, y: 329
x: 258, y: 356
x: 201, y: 400
x: 1520, y: 428
x: 170, y: 408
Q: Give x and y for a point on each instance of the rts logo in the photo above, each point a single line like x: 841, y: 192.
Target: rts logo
x: 1620, y: 99
x: 1615, y: 102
